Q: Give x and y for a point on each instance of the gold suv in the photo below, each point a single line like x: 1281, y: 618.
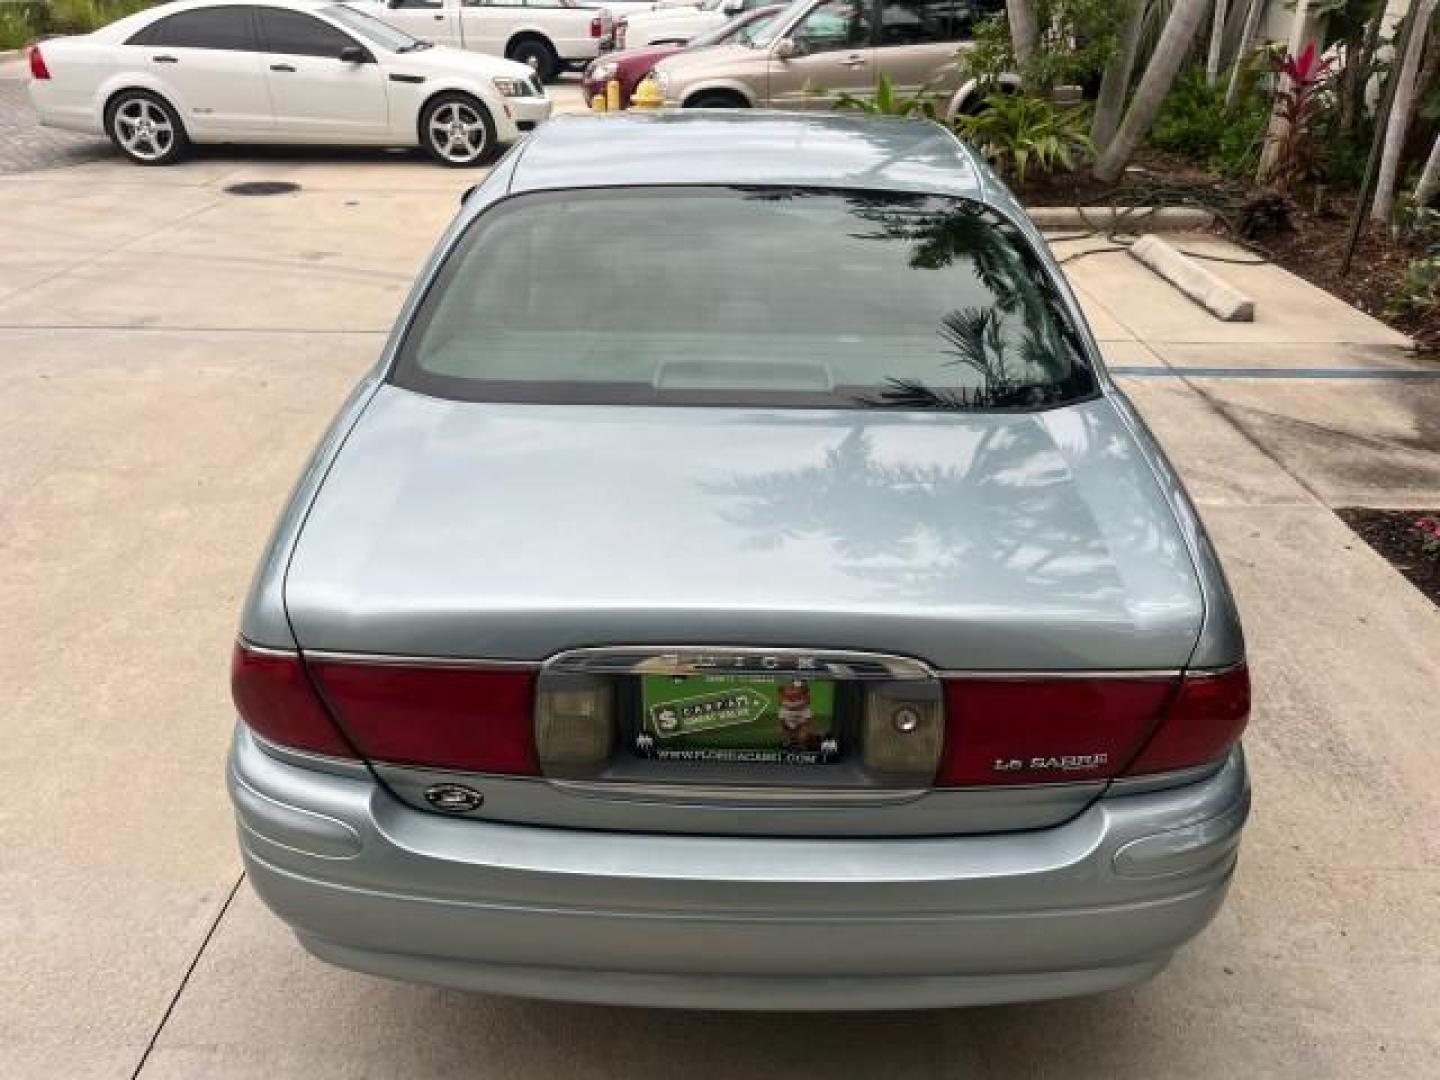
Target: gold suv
x: 818, y: 49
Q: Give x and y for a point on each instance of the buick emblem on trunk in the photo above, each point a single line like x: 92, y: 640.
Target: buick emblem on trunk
x: 453, y: 798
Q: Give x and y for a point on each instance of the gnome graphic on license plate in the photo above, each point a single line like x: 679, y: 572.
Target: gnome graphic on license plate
x: 797, y: 720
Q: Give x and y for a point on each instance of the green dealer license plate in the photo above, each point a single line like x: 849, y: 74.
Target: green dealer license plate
x: 739, y: 719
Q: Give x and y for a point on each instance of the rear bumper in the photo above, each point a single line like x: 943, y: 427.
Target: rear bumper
x: 57, y: 110
x: 1097, y: 903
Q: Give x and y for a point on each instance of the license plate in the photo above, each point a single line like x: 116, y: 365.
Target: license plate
x: 737, y: 719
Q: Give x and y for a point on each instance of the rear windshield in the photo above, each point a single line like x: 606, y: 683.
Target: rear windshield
x: 754, y: 296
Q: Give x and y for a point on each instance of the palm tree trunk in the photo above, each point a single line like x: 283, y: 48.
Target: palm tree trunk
x: 1277, y: 134
x: 1024, y: 31
x: 1367, y: 59
x: 1401, y: 112
x: 1247, y: 35
x: 1170, y: 52
x: 1217, y: 40
x: 1114, y: 84
x: 1430, y: 178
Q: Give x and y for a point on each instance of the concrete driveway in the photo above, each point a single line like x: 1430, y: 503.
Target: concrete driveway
x: 171, y: 352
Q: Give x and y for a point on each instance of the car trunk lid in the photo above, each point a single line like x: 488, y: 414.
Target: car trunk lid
x: 860, y: 570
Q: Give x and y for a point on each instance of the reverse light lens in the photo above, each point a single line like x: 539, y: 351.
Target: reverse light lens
x: 471, y: 719
x: 38, y: 69
x: 275, y: 699
x: 903, y: 733
x: 574, y: 727
x: 1206, y: 719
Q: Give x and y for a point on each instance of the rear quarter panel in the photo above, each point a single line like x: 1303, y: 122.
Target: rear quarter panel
x: 84, y: 72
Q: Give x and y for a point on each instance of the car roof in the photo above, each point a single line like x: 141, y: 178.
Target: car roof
x: 745, y: 146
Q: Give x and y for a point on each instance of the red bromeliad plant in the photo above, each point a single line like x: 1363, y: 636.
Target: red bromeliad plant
x: 1429, y: 529
x: 1297, y: 102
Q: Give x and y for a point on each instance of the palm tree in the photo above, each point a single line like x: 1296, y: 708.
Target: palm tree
x: 1170, y: 52
x: 1217, y: 41
x: 1115, y: 83
x: 1024, y: 31
x: 1401, y: 111
x: 1247, y: 35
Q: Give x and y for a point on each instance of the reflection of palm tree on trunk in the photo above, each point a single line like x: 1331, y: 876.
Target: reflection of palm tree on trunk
x: 997, y: 510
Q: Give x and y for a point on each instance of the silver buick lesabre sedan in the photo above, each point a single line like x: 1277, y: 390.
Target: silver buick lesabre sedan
x: 739, y: 584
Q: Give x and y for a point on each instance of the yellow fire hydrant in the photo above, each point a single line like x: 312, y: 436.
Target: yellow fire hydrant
x: 612, y: 95
x: 598, y: 103
x: 647, y: 95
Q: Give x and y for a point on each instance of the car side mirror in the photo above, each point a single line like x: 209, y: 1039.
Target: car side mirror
x: 354, y: 54
x: 733, y: 7
x: 785, y: 49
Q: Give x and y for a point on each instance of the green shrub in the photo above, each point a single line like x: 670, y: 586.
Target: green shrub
x: 884, y: 101
x: 1077, y: 40
x: 1020, y: 132
x: 1419, y: 289
x: 1192, y: 121
x: 24, y: 22
x: 1194, y: 124
x: 19, y: 24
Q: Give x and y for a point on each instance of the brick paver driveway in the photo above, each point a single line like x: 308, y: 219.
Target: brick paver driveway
x: 24, y: 144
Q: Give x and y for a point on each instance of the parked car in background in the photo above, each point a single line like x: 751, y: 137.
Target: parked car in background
x: 807, y: 623
x: 278, y: 71
x: 549, y: 36
x: 819, y: 49
x: 629, y: 66
x: 617, y: 8
x: 677, y: 26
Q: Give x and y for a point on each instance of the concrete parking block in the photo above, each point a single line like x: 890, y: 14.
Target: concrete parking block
x: 1288, y: 309
x: 1195, y: 280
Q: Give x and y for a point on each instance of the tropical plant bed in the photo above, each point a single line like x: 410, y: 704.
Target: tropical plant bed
x: 1409, y: 540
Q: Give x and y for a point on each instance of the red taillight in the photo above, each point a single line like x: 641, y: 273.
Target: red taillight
x: 473, y: 719
x: 1056, y: 730
x: 38, y: 70
x: 596, y: 29
x: 1045, y: 730
x: 1205, y: 720
x: 275, y: 698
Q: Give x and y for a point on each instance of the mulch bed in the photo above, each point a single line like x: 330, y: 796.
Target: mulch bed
x: 1314, y: 251
x: 1393, y: 534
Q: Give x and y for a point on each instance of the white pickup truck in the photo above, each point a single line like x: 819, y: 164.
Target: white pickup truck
x: 548, y: 35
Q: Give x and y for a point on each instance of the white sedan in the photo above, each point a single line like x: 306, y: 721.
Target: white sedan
x: 677, y: 25
x: 279, y: 71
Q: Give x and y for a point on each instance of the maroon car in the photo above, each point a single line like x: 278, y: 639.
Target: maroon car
x: 632, y: 65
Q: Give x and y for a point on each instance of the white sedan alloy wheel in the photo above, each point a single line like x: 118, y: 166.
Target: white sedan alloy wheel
x: 144, y: 129
x: 457, y: 132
